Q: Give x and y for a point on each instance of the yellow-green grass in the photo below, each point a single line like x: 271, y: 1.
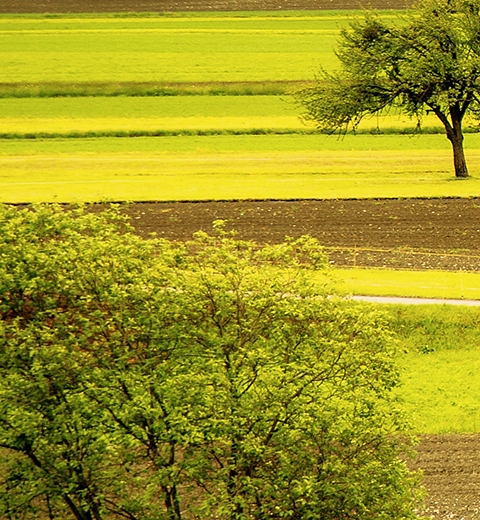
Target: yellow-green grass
x: 233, y: 167
x: 168, y: 48
x: 440, y: 368
x: 107, y: 114
x: 125, y: 114
x: 415, y: 284
x: 439, y: 345
x: 441, y: 391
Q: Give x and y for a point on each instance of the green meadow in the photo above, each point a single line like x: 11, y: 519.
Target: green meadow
x: 439, y: 345
x: 176, y: 48
x: 457, y: 285
x: 440, y: 366
x: 57, y: 144
x: 59, y: 116
x: 193, y: 167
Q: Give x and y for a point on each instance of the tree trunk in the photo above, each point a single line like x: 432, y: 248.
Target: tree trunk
x: 459, y: 161
x: 455, y: 136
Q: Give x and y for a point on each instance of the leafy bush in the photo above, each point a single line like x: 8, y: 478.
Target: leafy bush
x: 155, y: 380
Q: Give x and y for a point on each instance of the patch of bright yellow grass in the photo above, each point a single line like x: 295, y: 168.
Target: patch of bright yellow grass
x: 422, y: 284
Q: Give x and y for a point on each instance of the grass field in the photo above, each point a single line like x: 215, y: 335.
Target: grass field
x: 173, y: 113
x: 421, y: 284
x: 439, y: 358
x: 86, y: 161
x: 232, y: 167
x: 177, y: 48
x: 440, y: 390
x: 61, y: 115
x: 440, y: 369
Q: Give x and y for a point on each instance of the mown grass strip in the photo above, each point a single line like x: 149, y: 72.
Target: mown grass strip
x: 232, y: 167
x: 147, y: 89
x: 133, y: 116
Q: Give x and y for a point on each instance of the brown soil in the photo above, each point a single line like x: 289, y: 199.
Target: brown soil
x: 451, y: 474
x: 85, y: 6
x: 403, y: 233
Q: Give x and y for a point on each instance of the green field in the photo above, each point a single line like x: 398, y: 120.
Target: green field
x: 175, y: 48
x: 186, y: 147
x: 62, y: 115
x: 173, y: 113
x: 440, y: 368
x: 442, y: 285
x: 439, y: 345
x: 232, y: 167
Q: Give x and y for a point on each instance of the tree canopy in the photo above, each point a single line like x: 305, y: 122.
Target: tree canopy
x: 428, y: 62
x: 144, y: 379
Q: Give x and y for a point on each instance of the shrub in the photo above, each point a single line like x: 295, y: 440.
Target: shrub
x: 211, y: 379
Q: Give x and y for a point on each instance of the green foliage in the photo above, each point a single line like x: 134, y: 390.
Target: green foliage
x: 202, y: 48
x: 428, y: 62
x: 153, y: 380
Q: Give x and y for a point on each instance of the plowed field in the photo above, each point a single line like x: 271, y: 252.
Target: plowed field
x: 412, y: 234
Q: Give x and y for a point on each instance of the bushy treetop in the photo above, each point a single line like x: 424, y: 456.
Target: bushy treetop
x: 429, y: 61
x: 146, y: 379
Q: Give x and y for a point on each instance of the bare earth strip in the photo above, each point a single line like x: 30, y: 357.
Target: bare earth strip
x: 86, y: 6
x: 399, y: 233
x: 450, y: 465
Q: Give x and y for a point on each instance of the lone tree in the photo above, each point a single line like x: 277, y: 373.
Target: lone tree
x: 428, y: 62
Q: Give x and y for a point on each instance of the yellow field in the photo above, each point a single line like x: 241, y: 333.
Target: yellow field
x: 421, y: 284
